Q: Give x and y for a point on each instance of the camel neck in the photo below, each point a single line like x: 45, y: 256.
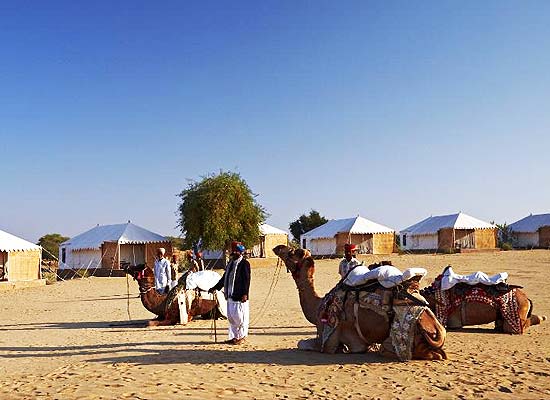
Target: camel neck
x: 309, y: 299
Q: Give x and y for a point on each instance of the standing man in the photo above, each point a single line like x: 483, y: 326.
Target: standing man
x: 349, y: 262
x: 163, y: 272
x: 236, y: 284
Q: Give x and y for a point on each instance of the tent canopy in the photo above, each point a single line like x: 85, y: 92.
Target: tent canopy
x: 355, y: 225
x: 432, y: 225
x: 120, y: 233
x: 9, y: 242
x: 531, y: 223
x: 266, y: 229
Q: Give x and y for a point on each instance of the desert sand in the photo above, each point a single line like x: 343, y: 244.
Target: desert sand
x: 76, y: 340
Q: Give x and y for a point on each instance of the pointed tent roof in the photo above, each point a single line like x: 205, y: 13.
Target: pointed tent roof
x: 531, y: 223
x: 120, y: 233
x: 355, y: 225
x: 266, y: 229
x: 432, y: 225
x: 9, y: 242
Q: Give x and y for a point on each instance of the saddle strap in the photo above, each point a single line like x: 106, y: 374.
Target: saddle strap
x: 356, y: 321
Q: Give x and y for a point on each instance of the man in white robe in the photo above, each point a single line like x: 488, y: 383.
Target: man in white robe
x: 163, y: 272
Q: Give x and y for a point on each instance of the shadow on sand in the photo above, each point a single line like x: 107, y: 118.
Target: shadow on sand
x: 166, y: 353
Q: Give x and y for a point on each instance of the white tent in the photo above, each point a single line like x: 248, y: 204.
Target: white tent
x: 89, y: 249
x: 269, y: 238
x: 532, y: 231
x: 425, y: 235
x: 19, y: 259
x: 328, y: 238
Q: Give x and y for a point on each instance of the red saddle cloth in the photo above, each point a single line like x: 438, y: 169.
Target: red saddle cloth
x: 447, y: 301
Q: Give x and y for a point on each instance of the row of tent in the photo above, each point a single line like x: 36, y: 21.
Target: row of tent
x: 107, y: 247
x: 453, y: 232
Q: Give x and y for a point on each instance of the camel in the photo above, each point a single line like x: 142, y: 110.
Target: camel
x: 461, y: 307
x: 355, y: 334
x: 157, y: 303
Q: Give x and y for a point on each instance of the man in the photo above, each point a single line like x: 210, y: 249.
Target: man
x: 236, y: 284
x: 163, y: 272
x: 349, y: 262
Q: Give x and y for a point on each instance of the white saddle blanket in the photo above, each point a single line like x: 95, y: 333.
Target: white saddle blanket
x: 450, y: 279
x: 203, y: 280
x: 387, y: 275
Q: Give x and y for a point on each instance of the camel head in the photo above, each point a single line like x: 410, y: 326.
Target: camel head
x: 294, y: 259
x: 139, y: 271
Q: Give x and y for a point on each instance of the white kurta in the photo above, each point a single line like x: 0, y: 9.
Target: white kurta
x: 163, y: 274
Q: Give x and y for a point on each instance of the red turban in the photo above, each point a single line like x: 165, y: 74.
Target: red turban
x: 350, y: 247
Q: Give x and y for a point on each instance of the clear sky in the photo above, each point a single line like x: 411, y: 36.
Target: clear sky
x: 392, y: 110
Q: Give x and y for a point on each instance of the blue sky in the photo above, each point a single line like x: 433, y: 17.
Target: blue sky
x: 392, y: 110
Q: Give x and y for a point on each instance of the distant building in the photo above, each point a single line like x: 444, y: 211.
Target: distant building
x: 19, y: 259
x: 449, y: 233
x: 532, y: 231
x: 109, y: 246
x: 329, y: 239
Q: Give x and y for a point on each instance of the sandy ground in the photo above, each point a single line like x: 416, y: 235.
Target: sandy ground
x: 74, y: 340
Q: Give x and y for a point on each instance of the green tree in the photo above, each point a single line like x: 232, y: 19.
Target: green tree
x: 305, y: 223
x: 220, y: 208
x: 505, y: 236
x: 50, y: 245
x: 177, y: 242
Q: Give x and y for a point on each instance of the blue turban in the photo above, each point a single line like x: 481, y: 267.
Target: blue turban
x: 240, y: 248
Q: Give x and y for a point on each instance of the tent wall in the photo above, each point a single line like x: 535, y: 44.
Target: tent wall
x: 109, y: 255
x: 272, y: 240
x: 485, y: 238
x: 364, y: 242
x: 445, y: 239
x: 544, y: 237
x: 383, y: 243
x: 526, y: 239
x: 321, y: 247
x: 132, y: 253
x: 77, y: 259
x: 3, y: 265
x: 419, y: 242
x: 23, y: 265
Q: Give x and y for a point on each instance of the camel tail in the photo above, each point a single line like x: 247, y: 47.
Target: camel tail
x: 534, y: 319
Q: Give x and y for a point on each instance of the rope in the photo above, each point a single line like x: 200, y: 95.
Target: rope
x: 128, y: 297
x: 270, y: 293
x: 214, y: 314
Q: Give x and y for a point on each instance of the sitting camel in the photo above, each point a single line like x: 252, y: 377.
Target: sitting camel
x: 465, y: 305
x: 166, y: 306
x: 360, y: 325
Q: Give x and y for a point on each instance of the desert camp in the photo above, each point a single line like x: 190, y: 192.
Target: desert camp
x: 275, y: 200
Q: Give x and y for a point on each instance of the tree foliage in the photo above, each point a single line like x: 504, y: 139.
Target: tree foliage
x: 177, y: 242
x: 50, y: 245
x: 220, y: 208
x: 305, y: 223
x: 505, y: 236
